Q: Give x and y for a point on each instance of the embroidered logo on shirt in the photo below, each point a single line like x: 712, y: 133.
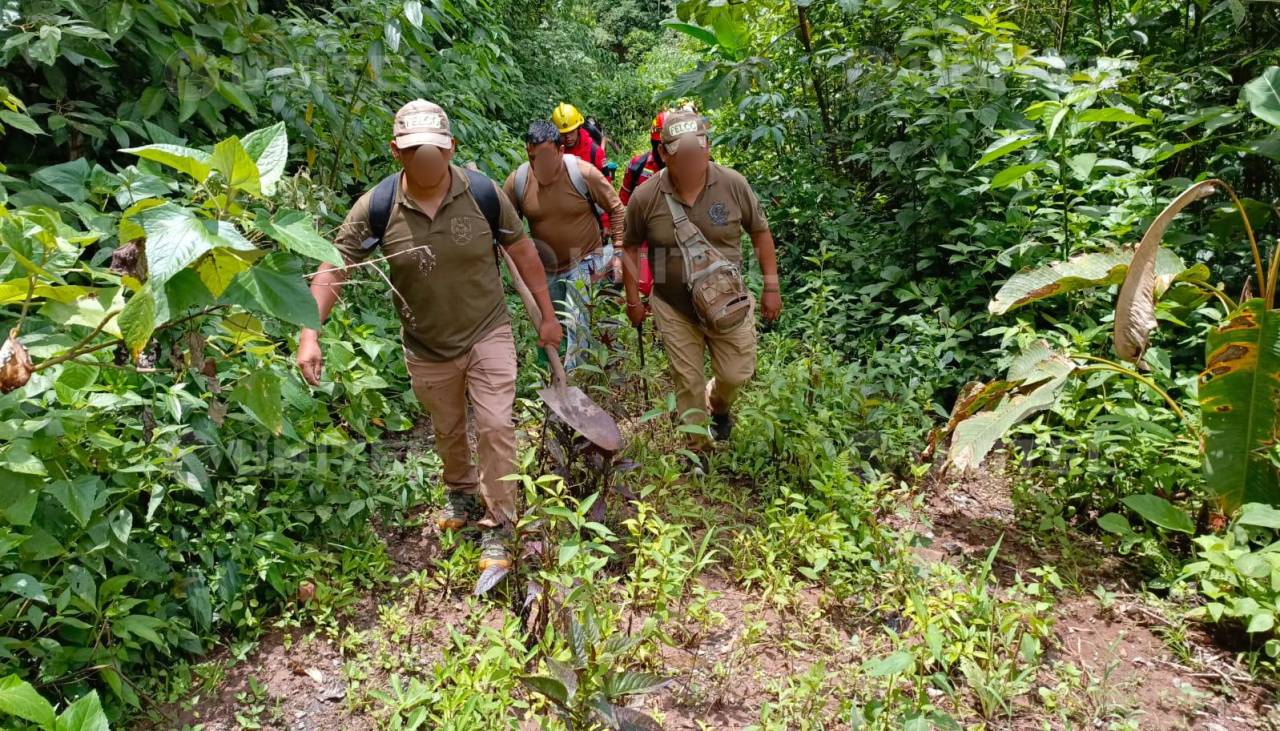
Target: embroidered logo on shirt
x: 461, y: 230
x: 718, y: 213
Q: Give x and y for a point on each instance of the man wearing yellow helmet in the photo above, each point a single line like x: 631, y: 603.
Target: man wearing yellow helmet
x: 577, y: 141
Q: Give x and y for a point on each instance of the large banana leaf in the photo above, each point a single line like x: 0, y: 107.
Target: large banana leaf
x: 1239, y: 403
x: 1032, y: 385
x: 1094, y: 269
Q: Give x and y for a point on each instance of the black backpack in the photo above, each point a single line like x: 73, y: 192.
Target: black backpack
x: 635, y: 169
x: 595, y: 130
x: 483, y: 190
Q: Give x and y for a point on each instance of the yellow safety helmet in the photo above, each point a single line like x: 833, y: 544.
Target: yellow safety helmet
x: 566, y: 118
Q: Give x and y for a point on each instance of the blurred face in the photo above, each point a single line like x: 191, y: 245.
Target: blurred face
x: 545, y: 158
x: 425, y: 165
x: 689, y: 161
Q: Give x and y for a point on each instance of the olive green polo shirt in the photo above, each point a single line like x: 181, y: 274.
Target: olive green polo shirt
x: 725, y: 209
x: 448, y: 290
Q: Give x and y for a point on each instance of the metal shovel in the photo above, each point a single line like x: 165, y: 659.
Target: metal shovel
x: 568, y: 402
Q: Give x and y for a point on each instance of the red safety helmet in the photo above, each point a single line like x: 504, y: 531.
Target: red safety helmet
x: 655, y: 131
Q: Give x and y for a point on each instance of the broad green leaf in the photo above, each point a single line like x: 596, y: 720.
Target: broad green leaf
x: 220, y: 268
x: 236, y: 167
x: 1263, y: 95
x: 1082, y: 164
x: 19, y: 494
x: 1239, y: 390
x: 141, y: 626
x: 1094, y: 269
x: 81, y: 496
x: 71, y: 179
x: 413, y: 13
x: 85, y: 714
x: 269, y: 148
x: 1004, y: 146
x: 188, y: 160
x: 549, y: 687
x: 1013, y: 174
x: 1111, y: 114
x: 1261, y: 515
x: 294, y: 231
x: 260, y: 394
x: 21, y: 122
x: 200, y: 603
x: 1115, y: 523
x: 1038, y: 373
x: 732, y: 35
x: 1161, y: 512
x: 693, y: 31
x: 631, y: 682
x: 19, y: 698
x: 236, y: 95
x: 25, y: 586
x: 176, y: 238
x: 895, y: 664
x: 1263, y: 621
x: 15, y: 292
x: 139, y: 318
x: 277, y: 287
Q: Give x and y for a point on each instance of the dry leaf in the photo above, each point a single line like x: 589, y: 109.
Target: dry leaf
x: 15, y: 364
x: 1136, y: 305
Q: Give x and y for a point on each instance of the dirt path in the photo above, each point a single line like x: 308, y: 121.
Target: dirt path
x: 1140, y: 661
x: 739, y: 655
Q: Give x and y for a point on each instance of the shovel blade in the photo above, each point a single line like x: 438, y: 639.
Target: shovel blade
x: 583, y: 416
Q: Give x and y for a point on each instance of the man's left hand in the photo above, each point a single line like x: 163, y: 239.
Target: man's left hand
x: 770, y: 305
x: 550, y: 333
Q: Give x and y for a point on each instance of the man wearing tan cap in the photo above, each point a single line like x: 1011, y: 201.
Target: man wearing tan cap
x: 436, y: 225
x: 719, y: 202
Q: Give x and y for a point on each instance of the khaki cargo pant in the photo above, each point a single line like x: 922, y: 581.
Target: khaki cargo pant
x: 486, y: 374
x: 733, y: 361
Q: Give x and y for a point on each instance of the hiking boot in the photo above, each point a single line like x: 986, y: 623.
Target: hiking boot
x: 495, y: 549
x: 460, y: 508
x: 721, y: 426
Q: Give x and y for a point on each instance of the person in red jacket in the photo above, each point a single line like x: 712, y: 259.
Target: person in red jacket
x: 644, y: 165
x: 577, y: 141
x: 640, y: 169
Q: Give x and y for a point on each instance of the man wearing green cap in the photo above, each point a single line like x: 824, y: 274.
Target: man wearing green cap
x: 436, y: 225
x: 719, y: 202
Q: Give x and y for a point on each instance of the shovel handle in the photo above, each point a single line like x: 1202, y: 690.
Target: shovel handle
x: 535, y: 314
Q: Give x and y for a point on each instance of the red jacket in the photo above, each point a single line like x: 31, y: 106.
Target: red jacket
x: 641, y: 168
x: 586, y: 148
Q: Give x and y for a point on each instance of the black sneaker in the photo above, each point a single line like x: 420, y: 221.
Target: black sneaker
x: 721, y: 426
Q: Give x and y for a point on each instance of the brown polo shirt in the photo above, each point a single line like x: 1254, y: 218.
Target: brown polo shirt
x: 723, y: 211
x: 563, y: 219
x: 448, y: 288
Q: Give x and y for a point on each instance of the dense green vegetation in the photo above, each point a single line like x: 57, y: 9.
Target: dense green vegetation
x: 956, y: 189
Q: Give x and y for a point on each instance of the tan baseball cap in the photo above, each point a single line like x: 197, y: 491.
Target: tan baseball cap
x: 421, y: 122
x: 681, y: 126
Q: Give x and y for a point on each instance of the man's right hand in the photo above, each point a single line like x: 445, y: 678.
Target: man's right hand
x: 637, y: 312
x: 310, y: 360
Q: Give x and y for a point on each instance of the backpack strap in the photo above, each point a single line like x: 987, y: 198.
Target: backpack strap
x: 694, y: 247
x: 521, y: 185
x: 485, y: 193
x: 580, y: 183
x: 634, y: 170
x: 384, y: 196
